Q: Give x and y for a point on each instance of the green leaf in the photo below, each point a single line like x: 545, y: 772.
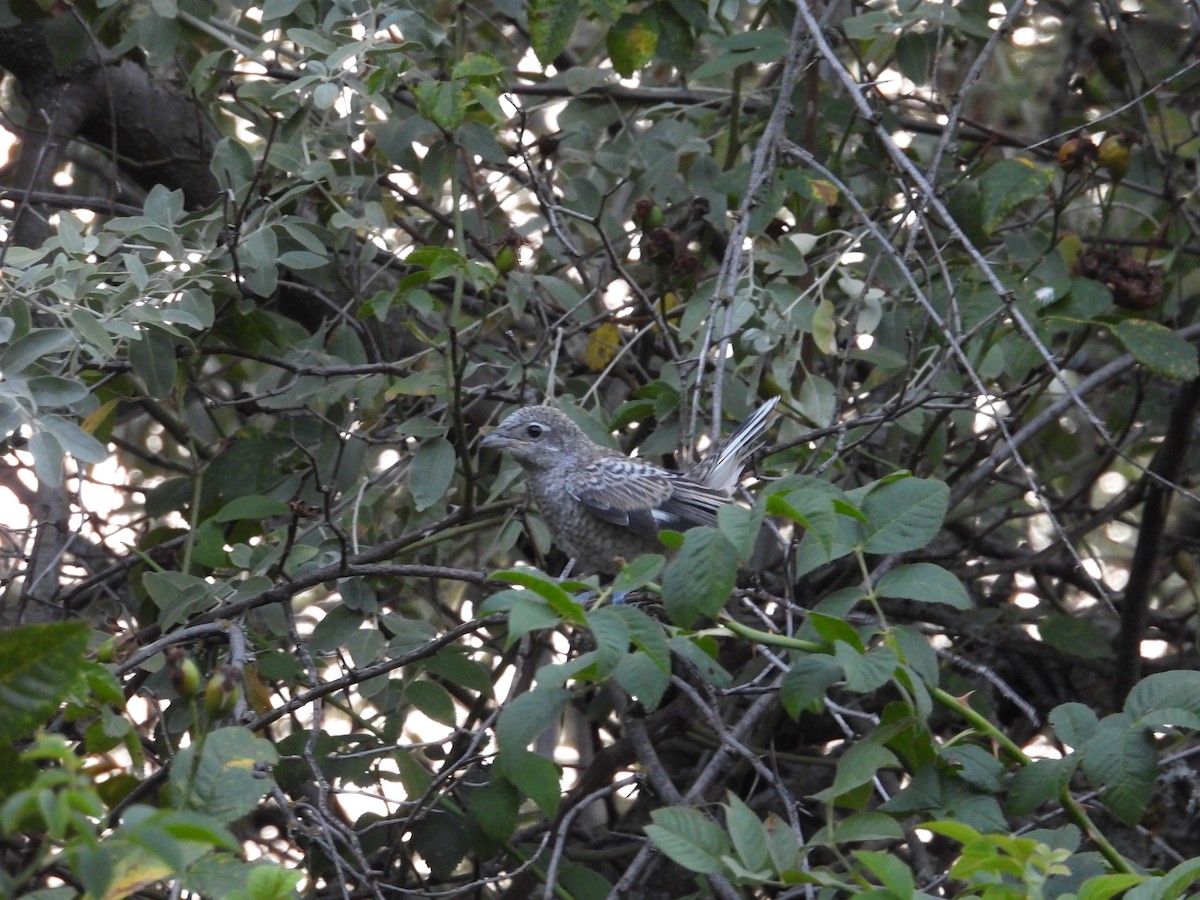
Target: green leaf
x: 414, y: 777
x: 607, y: 10
x: 53, y: 390
x: 688, y: 838
x: 495, y: 807
x: 580, y: 80
x: 478, y: 65
x: 73, y: 439
x: 47, y: 458
x: 808, y: 501
x: 335, y: 629
x: 431, y: 472
x: 270, y: 882
x: 1008, y: 184
x: 763, y: 45
x: 611, y: 635
x: 89, y: 326
x: 434, y: 701
x: 975, y: 766
x: 866, y: 672
x: 1086, y: 298
x: 566, y: 606
x: 189, y: 826
x: 647, y: 635
x: 1074, y: 723
x: 700, y: 653
x: 741, y: 526
x: 1074, y: 635
x: 632, y: 41
x: 699, y: 580
x: 963, y: 802
x: 581, y: 881
x: 870, y: 25
x: 638, y: 573
x: 38, y: 666
x: 925, y: 583
x: 1038, y: 783
x: 223, y: 875
x: 153, y: 361
x: 442, y: 262
x: 1121, y: 757
x: 1173, y: 885
x: 904, y: 514
x: 312, y: 40
x: 535, y: 776
x: 858, y: 766
x: 157, y: 837
x: 807, y: 680
x: 1164, y: 690
x: 747, y: 833
x: 301, y: 260
x: 163, y: 205
x: 550, y: 25
x: 890, y: 870
x: 643, y: 678
x: 1158, y: 348
x: 524, y: 718
x: 1102, y: 887
x: 254, y: 506
x: 914, y: 53
x: 441, y: 102
x: 528, y: 612
x: 442, y: 841
x: 916, y: 652
x: 956, y: 831
x: 860, y: 826
x: 451, y: 664
x: 831, y: 627
x: 179, y: 596
x: 229, y: 780
x: 30, y: 347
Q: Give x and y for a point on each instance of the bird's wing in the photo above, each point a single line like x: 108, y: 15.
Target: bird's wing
x: 623, y: 491
x: 644, y: 498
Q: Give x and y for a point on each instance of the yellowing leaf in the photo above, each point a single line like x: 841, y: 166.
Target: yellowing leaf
x: 670, y: 300
x: 550, y: 25
x: 135, y: 870
x: 632, y: 41
x: 823, y: 191
x: 824, y: 328
x: 1070, y: 248
x: 100, y: 423
x: 806, y: 184
x: 602, y: 346
x: 258, y: 692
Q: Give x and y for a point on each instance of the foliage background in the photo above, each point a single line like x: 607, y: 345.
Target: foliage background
x: 267, y: 271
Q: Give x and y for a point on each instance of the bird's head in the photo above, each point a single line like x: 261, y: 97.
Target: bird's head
x: 540, y: 437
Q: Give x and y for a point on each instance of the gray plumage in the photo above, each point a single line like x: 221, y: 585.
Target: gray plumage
x: 601, y: 506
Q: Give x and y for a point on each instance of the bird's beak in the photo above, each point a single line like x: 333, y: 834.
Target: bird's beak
x: 492, y: 439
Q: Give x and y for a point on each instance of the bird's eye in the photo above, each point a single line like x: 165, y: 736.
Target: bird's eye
x: 534, y: 430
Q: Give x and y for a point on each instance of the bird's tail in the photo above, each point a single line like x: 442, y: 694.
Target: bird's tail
x: 722, y: 468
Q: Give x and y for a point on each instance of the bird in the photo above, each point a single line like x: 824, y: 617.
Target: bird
x: 604, y: 508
